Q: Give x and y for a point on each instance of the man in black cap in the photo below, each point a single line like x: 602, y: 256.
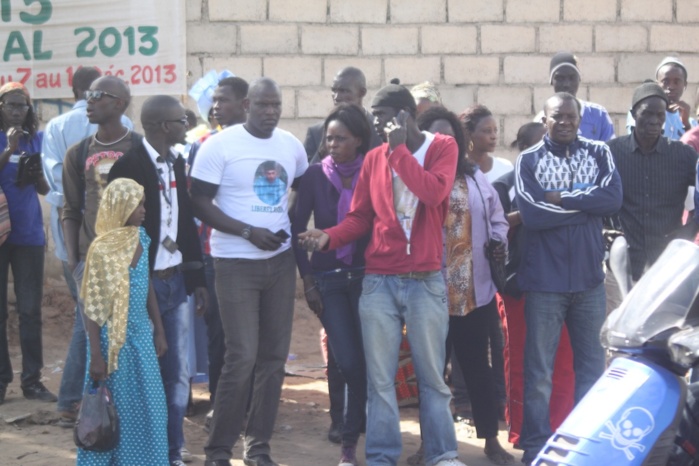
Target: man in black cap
x: 564, y: 76
x: 656, y: 173
x: 402, y: 197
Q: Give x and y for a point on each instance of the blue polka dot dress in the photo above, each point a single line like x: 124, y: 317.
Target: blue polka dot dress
x: 136, y: 385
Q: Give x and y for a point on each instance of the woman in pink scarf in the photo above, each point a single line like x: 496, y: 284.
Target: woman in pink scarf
x: 333, y: 280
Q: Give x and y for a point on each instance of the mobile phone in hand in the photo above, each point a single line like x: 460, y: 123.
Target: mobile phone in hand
x: 282, y: 234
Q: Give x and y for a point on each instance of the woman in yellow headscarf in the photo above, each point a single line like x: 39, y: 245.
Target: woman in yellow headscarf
x: 118, y: 303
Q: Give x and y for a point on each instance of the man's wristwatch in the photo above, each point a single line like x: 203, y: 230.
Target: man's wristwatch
x: 247, y: 232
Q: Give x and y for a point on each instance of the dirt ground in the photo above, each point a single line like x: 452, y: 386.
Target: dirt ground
x: 29, y: 434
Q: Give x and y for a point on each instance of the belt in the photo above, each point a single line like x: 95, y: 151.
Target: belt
x: 342, y: 273
x: 415, y: 275
x: 170, y: 271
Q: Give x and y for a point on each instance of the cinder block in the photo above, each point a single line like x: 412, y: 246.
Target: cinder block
x: 330, y: 40
x: 418, y: 11
x: 637, y: 67
x: 475, y: 11
x: 510, y: 126
x: 371, y: 67
x: 288, y: 103
x: 240, y: 10
x: 269, y: 38
x: 359, y: 11
x: 293, y: 71
x: 615, y: 99
x: 589, y: 10
x: 389, y: 40
x: 596, y: 69
x: 624, y: 38
x: 576, y: 38
x: 687, y: 11
x: 673, y: 38
x: 194, y: 69
x: 199, y: 38
x: 620, y: 125
x: 527, y: 70
x: 193, y: 10
x: 302, y: 11
x: 413, y: 70
x: 314, y: 103
x: 541, y: 95
x: 506, y: 100
x: 471, y: 70
x: 646, y: 10
x: 533, y: 11
x: 297, y: 127
x: 445, y: 39
x: 497, y: 38
x: 248, y: 68
x: 457, y: 98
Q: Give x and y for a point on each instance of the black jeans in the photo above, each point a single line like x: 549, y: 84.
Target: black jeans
x: 340, y: 291
x: 27, y: 264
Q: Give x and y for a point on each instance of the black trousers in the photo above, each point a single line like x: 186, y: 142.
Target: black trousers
x: 469, y: 337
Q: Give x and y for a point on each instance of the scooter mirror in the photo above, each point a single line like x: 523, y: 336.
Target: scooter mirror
x: 684, y: 347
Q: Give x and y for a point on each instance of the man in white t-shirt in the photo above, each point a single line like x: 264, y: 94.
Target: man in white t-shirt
x: 255, y: 267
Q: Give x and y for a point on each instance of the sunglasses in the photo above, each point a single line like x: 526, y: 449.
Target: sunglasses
x: 98, y: 94
x: 182, y: 120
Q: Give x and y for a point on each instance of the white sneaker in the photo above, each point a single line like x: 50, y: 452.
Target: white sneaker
x: 450, y: 462
x: 186, y: 455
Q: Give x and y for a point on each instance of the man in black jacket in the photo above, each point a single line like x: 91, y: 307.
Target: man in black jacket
x: 349, y: 87
x: 174, y: 254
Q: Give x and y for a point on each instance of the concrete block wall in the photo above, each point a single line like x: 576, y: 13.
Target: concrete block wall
x: 494, y: 52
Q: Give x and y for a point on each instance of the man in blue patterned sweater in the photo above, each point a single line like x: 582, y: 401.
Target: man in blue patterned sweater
x: 565, y: 185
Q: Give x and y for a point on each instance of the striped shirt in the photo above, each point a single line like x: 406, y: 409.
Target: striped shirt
x: 655, y: 187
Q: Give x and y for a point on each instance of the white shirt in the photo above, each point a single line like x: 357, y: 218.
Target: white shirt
x: 164, y: 259
x: 500, y: 167
x: 240, y: 165
x: 404, y: 201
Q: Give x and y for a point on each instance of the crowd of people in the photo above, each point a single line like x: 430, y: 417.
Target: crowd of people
x: 411, y: 212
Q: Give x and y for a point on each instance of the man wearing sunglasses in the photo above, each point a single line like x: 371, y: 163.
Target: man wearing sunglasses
x: 61, y: 133
x: 175, y: 253
x: 85, y: 170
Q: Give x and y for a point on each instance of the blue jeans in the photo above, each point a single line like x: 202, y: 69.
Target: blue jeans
x: 340, y: 291
x: 27, y: 264
x: 214, y: 328
x: 174, y: 365
x: 583, y: 313
x: 72, y: 383
x: 387, y: 302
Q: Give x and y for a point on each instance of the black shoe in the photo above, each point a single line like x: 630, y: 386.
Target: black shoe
x: 259, y: 460
x: 335, y: 433
x: 37, y: 391
x: 217, y: 463
x: 3, y: 392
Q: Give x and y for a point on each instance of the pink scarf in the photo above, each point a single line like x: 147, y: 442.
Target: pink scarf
x: 335, y: 173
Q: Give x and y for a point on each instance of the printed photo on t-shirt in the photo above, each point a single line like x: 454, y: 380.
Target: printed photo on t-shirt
x: 271, y: 181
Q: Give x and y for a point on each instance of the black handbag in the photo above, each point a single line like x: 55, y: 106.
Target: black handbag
x: 97, y: 426
x: 497, y: 266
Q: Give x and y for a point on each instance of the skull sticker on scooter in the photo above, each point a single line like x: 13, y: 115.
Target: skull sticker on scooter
x: 629, y: 431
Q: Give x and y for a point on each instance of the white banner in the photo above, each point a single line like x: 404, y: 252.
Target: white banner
x: 43, y: 42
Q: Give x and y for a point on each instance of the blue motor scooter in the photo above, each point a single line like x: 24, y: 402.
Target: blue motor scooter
x: 631, y: 415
